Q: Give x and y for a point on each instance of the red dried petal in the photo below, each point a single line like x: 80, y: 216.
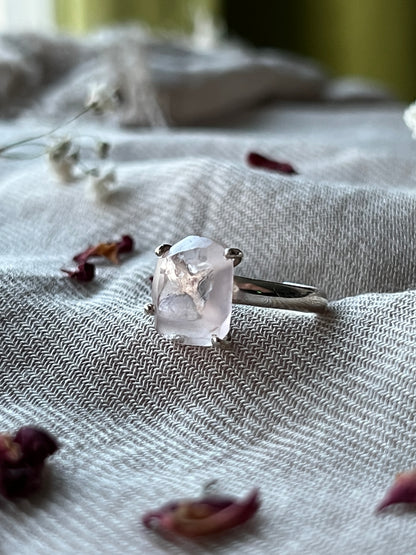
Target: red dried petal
x: 20, y: 476
x: 126, y: 244
x: 83, y: 256
x: 209, y: 515
x: 20, y: 481
x: 84, y: 272
x: 403, y: 490
x: 259, y: 161
x: 36, y: 444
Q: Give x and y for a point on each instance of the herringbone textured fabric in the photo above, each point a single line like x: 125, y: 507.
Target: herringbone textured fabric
x: 317, y: 411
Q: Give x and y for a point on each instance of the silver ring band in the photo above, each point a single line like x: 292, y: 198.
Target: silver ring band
x: 285, y: 295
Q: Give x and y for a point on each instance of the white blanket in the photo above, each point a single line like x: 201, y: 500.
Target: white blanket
x: 316, y: 411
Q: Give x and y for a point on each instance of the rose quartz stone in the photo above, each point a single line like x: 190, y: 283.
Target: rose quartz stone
x: 192, y: 292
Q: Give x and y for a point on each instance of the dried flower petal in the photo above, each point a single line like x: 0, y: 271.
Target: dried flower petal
x: 201, y: 517
x: 84, y: 272
x: 62, y: 160
x: 403, y: 490
x: 20, y: 481
x: 259, y: 161
x: 36, y: 444
x: 22, y: 460
x: 108, y: 250
x: 125, y: 244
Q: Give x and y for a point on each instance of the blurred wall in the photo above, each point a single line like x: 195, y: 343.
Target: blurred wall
x: 371, y: 38
x: 179, y: 15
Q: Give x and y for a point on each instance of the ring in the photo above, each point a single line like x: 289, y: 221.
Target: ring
x: 194, y: 287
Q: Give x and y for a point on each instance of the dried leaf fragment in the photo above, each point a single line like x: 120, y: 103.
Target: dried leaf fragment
x: 22, y: 459
x: 201, y: 517
x: 403, y: 490
x: 257, y: 160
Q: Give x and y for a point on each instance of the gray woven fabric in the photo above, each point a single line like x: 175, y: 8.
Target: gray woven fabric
x: 316, y: 411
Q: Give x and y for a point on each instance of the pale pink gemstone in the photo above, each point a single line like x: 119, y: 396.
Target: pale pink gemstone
x: 192, y: 292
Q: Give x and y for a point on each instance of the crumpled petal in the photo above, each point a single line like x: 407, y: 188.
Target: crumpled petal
x: 22, y: 460
x: 110, y: 251
x: 125, y: 244
x: 36, y: 444
x: 84, y: 272
x: 201, y: 517
x: 403, y: 490
x: 259, y: 161
x: 20, y: 481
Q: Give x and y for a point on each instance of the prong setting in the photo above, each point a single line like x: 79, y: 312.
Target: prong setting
x: 221, y: 343
x: 234, y: 254
x: 149, y: 309
x: 161, y: 250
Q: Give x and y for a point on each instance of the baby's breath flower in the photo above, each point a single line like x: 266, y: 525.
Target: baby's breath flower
x: 102, y: 98
x: 62, y: 159
x: 100, y: 184
x: 409, y: 117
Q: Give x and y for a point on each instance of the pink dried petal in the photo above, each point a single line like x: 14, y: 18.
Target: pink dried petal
x: 201, y: 517
x: 403, y: 490
x: 36, y: 444
x: 84, y: 272
x: 259, y: 161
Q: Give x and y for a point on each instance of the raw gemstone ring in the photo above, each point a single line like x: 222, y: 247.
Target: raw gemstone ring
x: 194, y: 287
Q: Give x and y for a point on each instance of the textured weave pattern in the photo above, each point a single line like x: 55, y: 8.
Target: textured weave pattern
x: 317, y: 411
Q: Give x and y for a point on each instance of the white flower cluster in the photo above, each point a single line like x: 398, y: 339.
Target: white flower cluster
x: 64, y: 161
x: 64, y: 153
x: 101, y: 184
x: 409, y: 117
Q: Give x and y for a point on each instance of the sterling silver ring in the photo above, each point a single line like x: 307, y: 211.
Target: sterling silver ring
x: 194, y: 287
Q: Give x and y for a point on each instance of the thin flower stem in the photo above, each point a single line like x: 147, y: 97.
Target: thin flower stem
x: 22, y: 157
x: 42, y: 135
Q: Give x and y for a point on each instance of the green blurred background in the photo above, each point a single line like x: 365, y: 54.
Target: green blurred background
x: 369, y: 38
